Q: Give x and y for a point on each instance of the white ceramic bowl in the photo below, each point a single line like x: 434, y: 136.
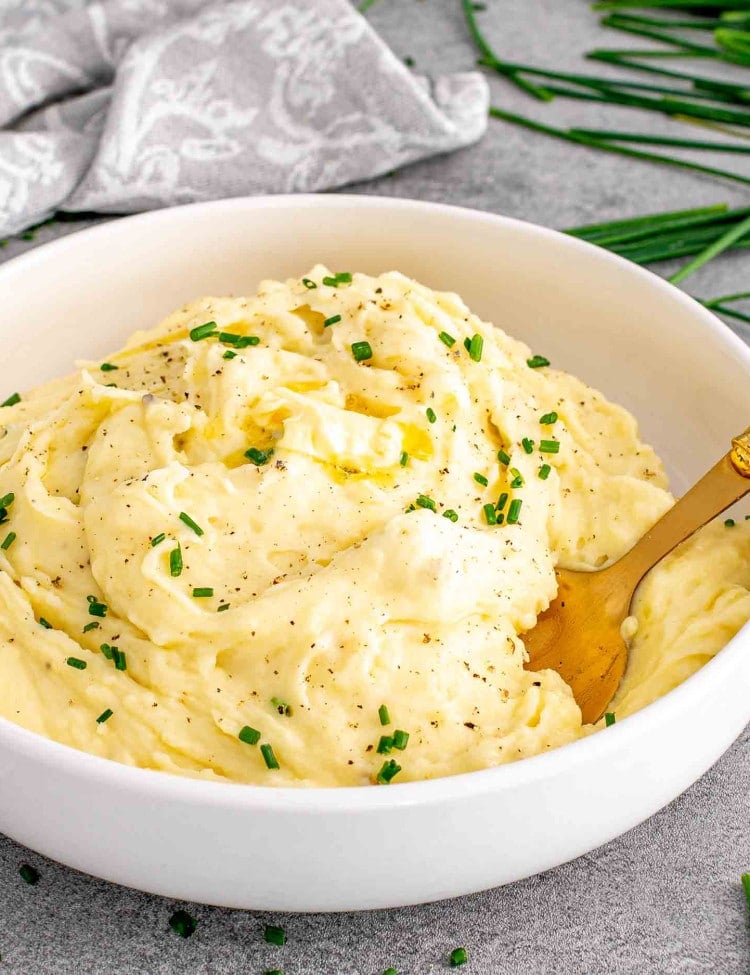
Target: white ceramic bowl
x: 641, y: 341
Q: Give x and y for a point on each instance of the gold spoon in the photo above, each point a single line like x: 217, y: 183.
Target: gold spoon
x: 579, y: 634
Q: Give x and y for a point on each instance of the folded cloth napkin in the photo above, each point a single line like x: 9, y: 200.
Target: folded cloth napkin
x: 127, y: 105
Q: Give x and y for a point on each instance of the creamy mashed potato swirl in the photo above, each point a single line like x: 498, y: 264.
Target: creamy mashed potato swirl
x: 257, y: 533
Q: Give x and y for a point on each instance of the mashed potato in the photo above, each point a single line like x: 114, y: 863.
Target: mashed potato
x: 235, y: 550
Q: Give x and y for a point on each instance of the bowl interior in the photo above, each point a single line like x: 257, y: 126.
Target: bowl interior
x: 644, y: 344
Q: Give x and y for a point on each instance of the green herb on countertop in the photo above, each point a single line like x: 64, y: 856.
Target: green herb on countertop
x: 458, y: 957
x: 274, y: 935
x: 29, y: 874
x: 183, y: 924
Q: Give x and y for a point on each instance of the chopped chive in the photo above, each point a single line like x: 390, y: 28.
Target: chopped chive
x: 609, y: 718
x: 183, y: 924
x: 549, y: 446
x: 431, y: 415
x: 458, y: 957
x: 385, y: 745
x: 528, y: 445
x: 447, y: 339
x: 201, y: 592
x: 517, y: 481
x: 187, y: 520
x: 105, y: 716
x: 229, y: 354
x: 392, y: 971
x: 383, y: 714
x: 475, y: 346
x: 451, y: 515
x: 108, y: 652
x: 481, y: 479
x: 250, y: 736
x: 119, y: 658
x: 333, y: 320
x: 309, y: 284
x: 501, y: 501
x: 11, y: 400
x: 223, y: 608
x: 344, y: 277
x: 268, y: 757
x: 238, y: 341
x: 549, y: 418
x: 424, y: 502
x: 208, y: 330
x: 259, y: 457
x: 503, y: 457
x: 400, y: 739
x: 514, y: 510
x: 273, y: 971
x: 93, y: 625
x: 96, y: 608
x: 388, y: 771
x: 746, y: 886
x: 7, y: 500
x: 274, y: 935
x: 9, y: 539
x: 175, y: 562
x: 489, y: 514
x: 544, y: 472
x: 108, y: 367
x: 331, y: 282
x: 281, y: 706
x: 404, y: 459
x: 158, y: 539
x: 29, y: 874
x: 537, y: 361
x: 729, y: 523
x: 76, y: 662
x: 362, y: 351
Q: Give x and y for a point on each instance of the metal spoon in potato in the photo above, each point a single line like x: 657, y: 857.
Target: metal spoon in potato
x: 579, y: 634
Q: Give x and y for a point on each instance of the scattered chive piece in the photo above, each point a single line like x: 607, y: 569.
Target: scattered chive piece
x: 503, y: 457
x: 385, y: 745
x: 447, y: 339
x: 274, y: 935
x: 400, y: 739
x: 383, y: 714
x: 96, y: 608
x: 238, y: 341
x: 12, y: 400
x: 388, y: 771
x: 203, y: 331
x: 431, y: 415
x: 403, y: 460
x: 514, y: 511
x: 7, y: 500
x: 93, y: 625
x: 259, y: 457
x: 544, y: 472
x: 501, y: 501
x: 105, y: 716
x: 9, y: 539
x: 729, y: 523
x: 333, y: 320
x: 344, y: 277
x: 331, y: 282
x: 458, y: 957
x: 158, y: 539
x: 76, y: 662
x: 108, y: 367
x: 517, y: 481
x: 202, y: 591
x: 549, y: 446
x: 476, y: 344
x: 609, y: 718
x: 229, y: 354
x: 45, y: 623
x: 467, y: 344
x: 746, y: 885
x: 29, y: 874
x: 362, y: 351
x: 537, y: 361
x: 528, y: 445
x: 120, y: 659
x: 223, y: 608
x: 175, y: 562
x: 549, y: 418
x: 481, y: 479
x: 392, y: 971
x: 187, y: 520
x: 451, y: 515
x: 489, y: 514
x: 424, y: 502
x: 268, y: 757
x: 107, y: 651
x: 183, y: 924
x: 281, y: 706
x: 249, y: 735
x: 273, y: 971
x: 309, y: 284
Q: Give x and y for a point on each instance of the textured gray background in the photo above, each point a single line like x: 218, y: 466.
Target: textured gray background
x: 663, y: 899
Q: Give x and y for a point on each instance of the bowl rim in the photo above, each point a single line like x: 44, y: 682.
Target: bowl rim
x: 357, y: 799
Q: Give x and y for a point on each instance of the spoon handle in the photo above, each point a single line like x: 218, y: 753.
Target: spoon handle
x: 725, y: 483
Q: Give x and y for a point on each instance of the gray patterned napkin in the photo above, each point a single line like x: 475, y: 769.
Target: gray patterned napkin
x: 126, y: 105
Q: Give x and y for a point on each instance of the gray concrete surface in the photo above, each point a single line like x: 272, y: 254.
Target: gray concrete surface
x: 664, y: 899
